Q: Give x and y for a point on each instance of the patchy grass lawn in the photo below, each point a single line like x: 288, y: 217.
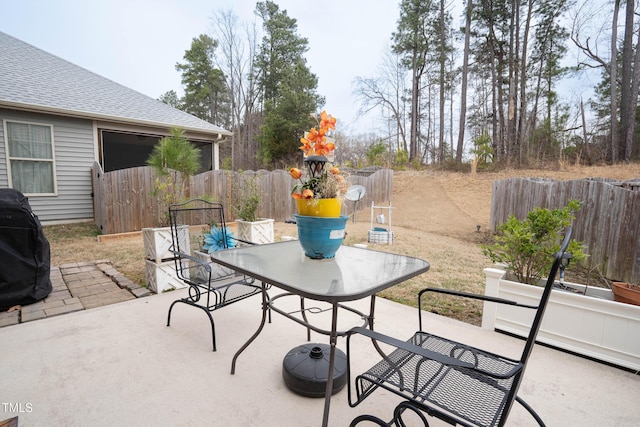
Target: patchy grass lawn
x: 79, y: 242
x: 437, y: 216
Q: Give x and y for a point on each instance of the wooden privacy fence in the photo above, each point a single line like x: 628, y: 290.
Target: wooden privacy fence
x: 123, y: 199
x: 607, y: 222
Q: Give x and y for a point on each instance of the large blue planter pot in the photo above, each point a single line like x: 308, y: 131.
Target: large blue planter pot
x: 320, y: 237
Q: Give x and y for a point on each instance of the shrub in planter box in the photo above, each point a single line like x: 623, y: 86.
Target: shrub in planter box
x: 250, y: 227
x: 527, y: 246
x: 591, y: 324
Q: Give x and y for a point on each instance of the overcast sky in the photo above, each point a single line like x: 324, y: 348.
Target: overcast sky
x: 138, y: 42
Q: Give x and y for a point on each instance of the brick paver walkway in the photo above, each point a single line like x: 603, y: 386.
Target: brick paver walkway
x: 77, y: 286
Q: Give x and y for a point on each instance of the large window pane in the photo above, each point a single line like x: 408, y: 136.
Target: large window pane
x: 30, y: 141
x: 32, y: 177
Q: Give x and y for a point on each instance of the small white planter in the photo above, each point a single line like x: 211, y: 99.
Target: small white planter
x: 260, y: 231
x: 217, y: 270
x: 157, y: 242
x: 161, y: 277
x: 592, y: 325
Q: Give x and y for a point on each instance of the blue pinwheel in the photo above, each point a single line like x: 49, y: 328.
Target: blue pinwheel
x: 215, y: 239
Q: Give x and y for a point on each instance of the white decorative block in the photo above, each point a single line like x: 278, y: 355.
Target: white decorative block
x: 380, y: 237
x: 260, y: 231
x: 161, y: 277
x: 158, y: 242
x: 217, y: 270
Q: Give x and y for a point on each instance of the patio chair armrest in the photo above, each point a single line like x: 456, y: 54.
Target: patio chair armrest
x: 200, y: 263
x: 473, y: 296
x: 241, y: 240
x: 407, y: 346
x: 466, y: 295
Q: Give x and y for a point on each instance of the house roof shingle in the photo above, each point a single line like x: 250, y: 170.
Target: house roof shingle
x: 31, y: 78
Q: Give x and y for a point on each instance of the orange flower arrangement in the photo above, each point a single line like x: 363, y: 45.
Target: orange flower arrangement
x: 323, y: 184
x: 314, y: 143
x: 326, y: 186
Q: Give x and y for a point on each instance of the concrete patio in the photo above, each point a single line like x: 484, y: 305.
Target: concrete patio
x: 119, y: 365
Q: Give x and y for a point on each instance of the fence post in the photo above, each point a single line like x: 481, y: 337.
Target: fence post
x: 99, y: 214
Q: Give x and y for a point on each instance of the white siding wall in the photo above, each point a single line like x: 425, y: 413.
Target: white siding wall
x: 74, y: 155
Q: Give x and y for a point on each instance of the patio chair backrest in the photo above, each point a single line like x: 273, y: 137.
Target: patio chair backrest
x: 537, y: 321
x: 542, y: 305
x: 199, y: 216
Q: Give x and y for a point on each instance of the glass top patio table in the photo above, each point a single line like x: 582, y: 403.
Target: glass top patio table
x: 353, y: 274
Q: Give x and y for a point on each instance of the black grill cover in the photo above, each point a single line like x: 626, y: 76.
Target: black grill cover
x: 25, y: 255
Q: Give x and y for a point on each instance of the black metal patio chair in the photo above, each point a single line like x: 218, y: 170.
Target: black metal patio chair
x: 197, y: 227
x: 438, y: 377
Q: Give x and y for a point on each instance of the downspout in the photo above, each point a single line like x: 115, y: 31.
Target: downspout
x: 216, y: 151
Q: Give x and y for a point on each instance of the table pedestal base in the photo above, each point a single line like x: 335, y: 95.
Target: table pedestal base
x: 305, y: 370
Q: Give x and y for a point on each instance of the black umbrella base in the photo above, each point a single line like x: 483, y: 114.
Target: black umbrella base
x: 305, y: 370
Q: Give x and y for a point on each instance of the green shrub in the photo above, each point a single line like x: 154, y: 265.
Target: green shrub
x: 527, y: 247
x: 376, y: 154
x: 483, y: 150
x: 248, y: 199
x: 175, y: 152
x: 402, y: 159
x: 172, y: 153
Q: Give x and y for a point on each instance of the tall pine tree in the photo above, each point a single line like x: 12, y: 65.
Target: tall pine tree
x: 287, y: 85
x: 205, y: 91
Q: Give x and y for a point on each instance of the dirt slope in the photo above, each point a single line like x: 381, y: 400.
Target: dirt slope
x: 435, y: 204
x: 453, y: 204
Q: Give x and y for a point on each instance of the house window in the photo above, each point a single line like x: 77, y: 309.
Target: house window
x: 30, y: 157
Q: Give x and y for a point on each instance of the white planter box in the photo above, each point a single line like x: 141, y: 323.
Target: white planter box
x: 217, y: 270
x: 161, y: 277
x: 592, y: 325
x: 260, y: 231
x: 380, y: 237
x: 157, y: 242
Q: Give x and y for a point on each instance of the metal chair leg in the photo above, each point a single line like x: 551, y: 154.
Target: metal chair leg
x: 213, y: 326
x: 171, y: 308
x: 529, y: 409
x: 403, y: 406
x: 357, y: 420
x: 397, y: 416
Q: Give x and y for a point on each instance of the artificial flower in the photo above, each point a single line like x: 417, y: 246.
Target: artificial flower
x: 327, y: 121
x: 295, y: 173
x: 215, y: 239
x: 324, y: 182
x: 314, y: 143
